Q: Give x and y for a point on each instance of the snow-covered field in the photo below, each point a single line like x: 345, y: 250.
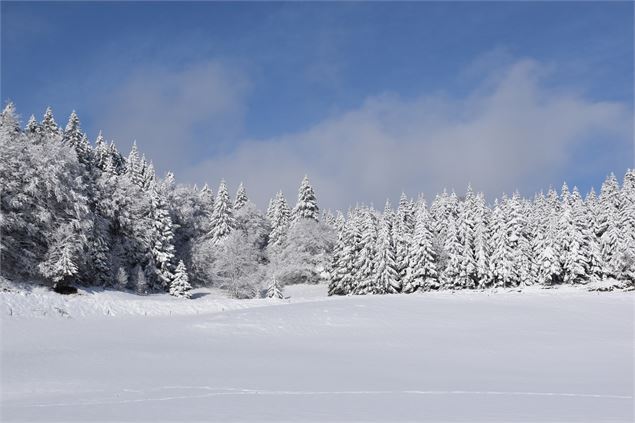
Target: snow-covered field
x: 535, y: 356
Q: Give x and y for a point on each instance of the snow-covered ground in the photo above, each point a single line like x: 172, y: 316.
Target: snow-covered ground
x: 536, y: 355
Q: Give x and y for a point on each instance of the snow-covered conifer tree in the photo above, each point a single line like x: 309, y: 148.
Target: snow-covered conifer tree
x: 121, y: 279
x: 141, y: 281
x: 241, y: 197
x: 387, y: 274
x: 366, y: 264
x: 453, y: 250
x: 274, y: 290
x: 466, y: 227
x: 162, y: 242
x: 49, y: 125
x: 180, y: 284
x: 280, y: 221
x: 223, y: 222
x: 307, y: 207
x: 422, y: 258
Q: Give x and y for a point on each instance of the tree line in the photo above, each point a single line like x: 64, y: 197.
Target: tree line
x: 76, y: 212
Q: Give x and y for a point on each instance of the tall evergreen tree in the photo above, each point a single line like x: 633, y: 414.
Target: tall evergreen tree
x: 180, y: 284
x: 387, y: 273
x: 241, y: 197
x: 223, y: 222
x: 49, y: 125
x: 307, y: 207
x: 366, y: 274
x: 422, y: 257
x: 280, y: 221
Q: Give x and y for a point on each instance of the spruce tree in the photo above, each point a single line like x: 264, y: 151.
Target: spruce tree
x: 33, y: 127
x: 241, y: 197
x: 223, y: 222
x: 482, y: 243
x: 180, y: 285
x: 366, y: 265
x: 274, y: 290
x: 280, y: 221
x: 49, y: 125
x: 422, y: 258
x: 387, y: 274
x: 307, y: 207
x: 162, y: 242
x: 452, y: 249
x: 466, y: 227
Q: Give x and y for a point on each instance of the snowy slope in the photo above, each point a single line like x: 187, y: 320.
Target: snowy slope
x: 41, y: 302
x: 533, y: 356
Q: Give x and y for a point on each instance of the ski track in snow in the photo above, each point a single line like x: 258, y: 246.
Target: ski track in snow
x: 241, y: 391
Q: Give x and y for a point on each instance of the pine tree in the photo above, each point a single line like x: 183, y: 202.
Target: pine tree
x: 223, y: 222
x: 307, y: 207
x: 274, y: 290
x: 180, y: 284
x: 422, y: 258
x: 241, y: 197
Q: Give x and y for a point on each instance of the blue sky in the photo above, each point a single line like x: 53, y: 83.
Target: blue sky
x: 367, y: 98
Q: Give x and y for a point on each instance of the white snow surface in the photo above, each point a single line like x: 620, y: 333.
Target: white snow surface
x: 531, y: 356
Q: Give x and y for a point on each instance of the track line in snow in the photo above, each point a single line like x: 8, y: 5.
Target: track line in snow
x: 239, y: 391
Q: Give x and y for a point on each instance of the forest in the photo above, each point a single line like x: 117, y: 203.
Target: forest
x: 82, y: 213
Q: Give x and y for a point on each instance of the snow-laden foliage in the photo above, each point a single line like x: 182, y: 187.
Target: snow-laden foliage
x: 78, y: 213
x: 180, y: 284
x: 274, y: 290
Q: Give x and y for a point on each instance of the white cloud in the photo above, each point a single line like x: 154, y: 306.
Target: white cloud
x: 511, y: 132
x: 177, y: 115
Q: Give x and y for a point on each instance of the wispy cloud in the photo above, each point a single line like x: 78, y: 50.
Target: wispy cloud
x: 512, y: 131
